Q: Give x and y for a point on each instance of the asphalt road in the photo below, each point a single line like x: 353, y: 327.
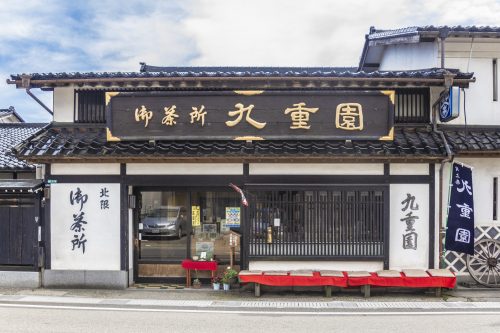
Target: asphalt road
x: 63, y: 318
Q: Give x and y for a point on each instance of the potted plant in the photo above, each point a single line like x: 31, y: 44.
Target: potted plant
x: 228, y: 277
x: 216, y: 280
x: 196, y: 281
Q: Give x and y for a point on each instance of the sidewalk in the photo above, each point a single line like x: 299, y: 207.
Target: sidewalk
x: 463, y: 298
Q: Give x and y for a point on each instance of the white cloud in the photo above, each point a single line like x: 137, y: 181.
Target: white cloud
x: 108, y: 35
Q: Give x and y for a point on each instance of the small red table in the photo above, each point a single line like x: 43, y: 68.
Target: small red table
x: 189, y: 264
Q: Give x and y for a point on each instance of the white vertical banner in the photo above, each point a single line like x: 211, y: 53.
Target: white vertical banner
x: 409, y: 226
x: 85, y: 226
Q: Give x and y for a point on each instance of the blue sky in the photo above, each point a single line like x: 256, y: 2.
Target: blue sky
x: 109, y: 35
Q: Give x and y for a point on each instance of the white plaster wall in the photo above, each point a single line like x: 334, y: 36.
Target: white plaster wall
x: 482, y: 178
x: 410, y: 56
x: 315, y: 169
x: 184, y: 169
x: 371, y: 266
x: 130, y: 242
x: 102, y: 231
x: 400, y: 258
x: 85, y: 169
x: 480, y: 107
x: 63, y: 104
x: 409, y: 169
x: 436, y: 216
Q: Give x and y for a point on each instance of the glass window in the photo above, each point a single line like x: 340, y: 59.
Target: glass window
x: 214, y: 215
x: 163, y: 225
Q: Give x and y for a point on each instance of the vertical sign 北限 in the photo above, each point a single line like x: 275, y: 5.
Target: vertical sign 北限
x: 460, y: 231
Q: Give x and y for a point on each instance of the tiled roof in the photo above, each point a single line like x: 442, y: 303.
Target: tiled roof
x: 242, y: 69
x: 473, y: 138
x: 90, y: 142
x: 244, y: 72
x: 11, y: 134
x: 10, y: 111
x: 409, y: 31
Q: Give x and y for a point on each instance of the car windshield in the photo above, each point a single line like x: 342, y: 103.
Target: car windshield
x: 169, y: 213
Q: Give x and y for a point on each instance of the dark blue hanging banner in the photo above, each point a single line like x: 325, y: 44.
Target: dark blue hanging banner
x: 460, y: 231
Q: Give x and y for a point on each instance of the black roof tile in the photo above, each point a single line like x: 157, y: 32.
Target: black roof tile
x: 473, y: 138
x: 11, y: 134
x: 409, y: 31
x: 249, y: 72
x: 90, y: 142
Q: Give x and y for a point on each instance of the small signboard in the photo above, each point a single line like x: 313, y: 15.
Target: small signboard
x: 449, y: 105
x: 233, y: 216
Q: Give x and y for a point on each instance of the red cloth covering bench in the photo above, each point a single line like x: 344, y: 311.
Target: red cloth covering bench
x: 189, y: 265
x: 411, y: 279
x: 295, y: 281
x: 403, y: 281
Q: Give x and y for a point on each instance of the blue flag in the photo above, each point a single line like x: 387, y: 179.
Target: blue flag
x: 460, y: 231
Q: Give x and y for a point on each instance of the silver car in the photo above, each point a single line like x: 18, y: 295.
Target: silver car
x: 165, y: 221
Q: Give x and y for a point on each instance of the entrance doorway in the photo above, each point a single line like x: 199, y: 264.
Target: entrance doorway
x: 174, y: 225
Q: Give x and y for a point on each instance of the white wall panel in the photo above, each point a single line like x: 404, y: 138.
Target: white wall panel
x: 315, y: 169
x: 409, y: 169
x: 85, y: 169
x: 101, y: 230
x: 399, y: 256
x: 184, y: 169
x: 371, y: 266
x: 410, y: 56
x: 64, y: 104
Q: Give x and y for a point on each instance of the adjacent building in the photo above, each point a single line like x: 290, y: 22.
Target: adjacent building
x: 20, y: 211
x: 474, y: 136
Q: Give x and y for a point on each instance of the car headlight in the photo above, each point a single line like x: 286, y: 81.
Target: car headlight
x: 170, y: 226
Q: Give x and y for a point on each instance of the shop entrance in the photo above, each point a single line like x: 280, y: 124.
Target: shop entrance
x: 172, y: 225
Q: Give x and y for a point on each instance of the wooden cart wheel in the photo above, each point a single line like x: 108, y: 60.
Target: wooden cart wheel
x: 484, y: 265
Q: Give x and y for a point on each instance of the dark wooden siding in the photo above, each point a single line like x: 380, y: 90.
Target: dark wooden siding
x: 412, y: 106
x: 90, y: 106
x: 17, y: 232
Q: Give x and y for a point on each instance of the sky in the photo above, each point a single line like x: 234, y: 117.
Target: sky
x: 107, y: 35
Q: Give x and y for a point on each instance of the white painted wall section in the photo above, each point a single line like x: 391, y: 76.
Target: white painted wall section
x: 398, y: 169
x: 101, y: 230
x: 315, y: 169
x: 480, y: 107
x: 85, y: 169
x: 64, y: 104
x: 410, y: 56
x: 371, y: 266
x: 184, y: 169
x: 401, y: 256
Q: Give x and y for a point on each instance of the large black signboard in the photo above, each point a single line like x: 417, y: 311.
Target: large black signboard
x: 250, y: 115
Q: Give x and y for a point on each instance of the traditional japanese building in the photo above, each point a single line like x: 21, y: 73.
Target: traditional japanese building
x: 342, y: 168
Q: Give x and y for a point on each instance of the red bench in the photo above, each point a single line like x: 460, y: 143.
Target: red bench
x: 305, y: 278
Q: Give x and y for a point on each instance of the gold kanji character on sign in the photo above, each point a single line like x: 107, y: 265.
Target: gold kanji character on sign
x: 239, y: 112
x: 198, y: 114
x: 300, y: 115
x: 349, y: 116
x: 170, y: 116
x: 143, y: 114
